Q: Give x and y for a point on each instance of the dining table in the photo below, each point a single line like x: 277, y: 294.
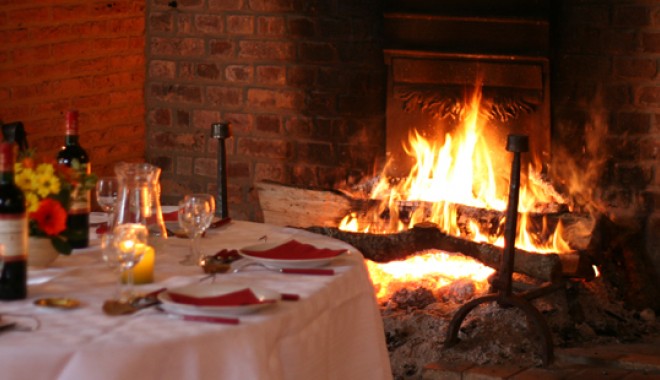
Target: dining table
x: 330, y: 329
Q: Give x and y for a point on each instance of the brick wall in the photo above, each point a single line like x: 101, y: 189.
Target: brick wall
x: 301, y: 82
x: 88, y: 55
x: 606, y: 99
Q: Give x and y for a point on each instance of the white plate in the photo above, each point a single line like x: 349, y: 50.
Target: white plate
x: 283, y: 263
x: 96, y: 218
x: 167, y: 209
x: 216, y: 289
x: 38, y: 276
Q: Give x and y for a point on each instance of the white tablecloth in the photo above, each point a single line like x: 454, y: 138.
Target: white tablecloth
x: 333, y: 332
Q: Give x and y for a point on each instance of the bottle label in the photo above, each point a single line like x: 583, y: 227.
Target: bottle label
x: 14, y: 236
x: 79, y: 206
x: 81, y: 199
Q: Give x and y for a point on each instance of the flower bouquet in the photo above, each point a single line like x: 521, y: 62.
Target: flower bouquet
x: 48, y: 188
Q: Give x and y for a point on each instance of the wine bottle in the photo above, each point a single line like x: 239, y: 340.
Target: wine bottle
x: 74, y: 156
x: 13, y: 230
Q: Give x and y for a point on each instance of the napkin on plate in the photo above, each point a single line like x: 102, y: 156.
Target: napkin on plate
x: 172, y: 216
x: 294, y: 250
x: 237, y: 298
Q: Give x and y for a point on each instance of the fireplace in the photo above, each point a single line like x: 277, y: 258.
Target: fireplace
x: 317, y: 96
x: 429, y: 91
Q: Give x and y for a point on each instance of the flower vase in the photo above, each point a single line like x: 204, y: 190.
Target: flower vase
x: 41, y: 252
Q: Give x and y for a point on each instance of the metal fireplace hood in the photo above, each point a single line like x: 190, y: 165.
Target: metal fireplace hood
x: 436, y: 52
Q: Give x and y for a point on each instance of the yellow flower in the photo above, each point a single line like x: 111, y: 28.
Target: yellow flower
x: 32, y: 202
x: 46, y: 181
x: 45, y: 170
x: 25, y: 179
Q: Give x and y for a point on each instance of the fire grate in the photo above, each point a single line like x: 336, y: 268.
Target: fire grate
x: 504, y: 295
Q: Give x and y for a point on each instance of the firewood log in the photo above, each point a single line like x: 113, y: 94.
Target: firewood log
x: 399, y: 246
x: 293, y: 206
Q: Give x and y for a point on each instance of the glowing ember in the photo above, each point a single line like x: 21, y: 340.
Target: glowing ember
x: 433, y: 270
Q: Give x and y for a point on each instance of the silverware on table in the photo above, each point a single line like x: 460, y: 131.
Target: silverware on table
x: 310, y: 271
x: 202, y: 318
x: 118, y: 307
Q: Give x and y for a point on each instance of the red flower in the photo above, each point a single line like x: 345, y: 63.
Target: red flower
x: 50, y: 217
x: 29, y: 163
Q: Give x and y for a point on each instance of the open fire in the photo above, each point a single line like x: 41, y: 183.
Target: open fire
x: 463, y: 168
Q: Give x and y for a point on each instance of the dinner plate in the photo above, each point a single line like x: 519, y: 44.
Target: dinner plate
x: 38, y: 276
x: 168, y: 208
x: 266, y: 296
x: 96, y: 218
x: 281, y: 263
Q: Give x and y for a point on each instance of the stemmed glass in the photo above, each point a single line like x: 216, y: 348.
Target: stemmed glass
x: 111, y: 258
x: 195, y: 215
x: 129, y: 242
x: 106, y: 196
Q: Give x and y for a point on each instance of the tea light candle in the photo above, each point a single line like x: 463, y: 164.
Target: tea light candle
x: 143, y: 271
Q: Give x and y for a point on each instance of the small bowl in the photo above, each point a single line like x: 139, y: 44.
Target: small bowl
x: 220, y: 262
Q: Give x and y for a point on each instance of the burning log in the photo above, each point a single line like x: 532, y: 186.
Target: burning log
x: 544, y: 220
x: 293, y: 206
x: 399, y: 246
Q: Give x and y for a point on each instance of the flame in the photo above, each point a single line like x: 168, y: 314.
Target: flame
x: 449, y: 172
x: 459, y: 170
x: 437, y: 269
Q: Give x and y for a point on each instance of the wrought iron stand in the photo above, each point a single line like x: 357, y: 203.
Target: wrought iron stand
x: 503, y: 295
x: 220, y: 131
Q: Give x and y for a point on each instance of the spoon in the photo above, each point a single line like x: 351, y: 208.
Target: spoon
x: 118, y: 307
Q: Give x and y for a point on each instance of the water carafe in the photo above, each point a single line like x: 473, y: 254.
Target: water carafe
x: 138, y: 199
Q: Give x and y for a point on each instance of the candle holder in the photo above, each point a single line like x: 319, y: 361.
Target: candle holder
x: 130, y: 245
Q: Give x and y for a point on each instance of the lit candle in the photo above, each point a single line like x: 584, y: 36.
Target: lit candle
x: 143, y: 271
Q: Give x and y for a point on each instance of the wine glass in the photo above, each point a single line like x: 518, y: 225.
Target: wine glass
x: 111, y: 259
x: 195, y: 215
x: 106, y: 196
x: 129, y: 243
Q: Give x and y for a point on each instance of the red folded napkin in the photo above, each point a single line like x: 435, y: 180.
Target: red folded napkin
x: 238, y: 298
x: 172, y: 216
x: 102, y: 228
x: 295, y: 250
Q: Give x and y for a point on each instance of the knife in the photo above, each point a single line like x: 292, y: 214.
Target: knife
x: 201, y: 318
x: 312, y: 271
x: 316, y: 271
